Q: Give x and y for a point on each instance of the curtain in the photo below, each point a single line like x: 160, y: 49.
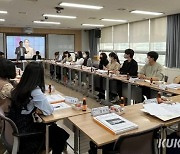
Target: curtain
x: 173, y: 41
x: 92, y: 43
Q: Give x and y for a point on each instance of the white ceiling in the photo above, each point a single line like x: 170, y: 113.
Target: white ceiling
x: 21, y: 13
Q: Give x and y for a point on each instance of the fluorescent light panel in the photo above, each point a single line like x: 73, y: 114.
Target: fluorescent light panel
x: 114, y: 20
x: 3, y: 12
x: 92, y: 25
x: 59, y: 16
x: 81, y: 5
x: 146, y: 12
x: 2, y: 19
x: 47, y: 22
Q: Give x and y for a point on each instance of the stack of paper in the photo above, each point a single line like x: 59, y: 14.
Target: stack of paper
x: 60, y: 106
x: 101, y: 71
x: 163, y: 111
x: 55, y: 98
x: 115, y: 123
x: 173, y: 86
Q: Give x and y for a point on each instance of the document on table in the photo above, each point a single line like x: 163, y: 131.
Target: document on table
x: 55, y: 98
x: 173, y: 86
x: 60, y: 106
x: 101, y: 71
x: 115, y: 123
x: 163, y: 111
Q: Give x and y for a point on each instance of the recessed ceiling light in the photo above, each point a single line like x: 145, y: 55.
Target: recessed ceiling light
x: 59, y: 16
x: 114, y: 20
x: 146, y: 12
x: 92, y: 25
x: 2, y: 19
x: 47, y: 22
x: 81, y: 5
x: 3, y: 12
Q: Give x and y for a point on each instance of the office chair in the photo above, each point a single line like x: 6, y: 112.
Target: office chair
x: 10, y: 136
x: 137, y: 143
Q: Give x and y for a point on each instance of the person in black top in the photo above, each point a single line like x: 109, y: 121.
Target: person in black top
x: 103, y: 61
x: 130, y: 65
x: 37, y: 56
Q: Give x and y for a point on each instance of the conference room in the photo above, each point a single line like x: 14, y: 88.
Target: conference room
x: 91, y: 77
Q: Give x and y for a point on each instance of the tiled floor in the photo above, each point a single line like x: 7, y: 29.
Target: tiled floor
x: 68, y: 92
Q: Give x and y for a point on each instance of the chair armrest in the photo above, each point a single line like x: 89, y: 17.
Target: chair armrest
x: 27, y: 134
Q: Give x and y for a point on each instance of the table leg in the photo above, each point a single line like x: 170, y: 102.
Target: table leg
x: 107, y: 90
x: 92, y: 84
x: 47, y: 139
x: 70, y: 77
x: 62, y: 81
x: 79, y: 80
x: 129, y: 94
x: 76, y: 140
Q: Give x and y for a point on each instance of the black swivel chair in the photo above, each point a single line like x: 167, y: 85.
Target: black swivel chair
x: 137, y: 143
x: 10, y: 136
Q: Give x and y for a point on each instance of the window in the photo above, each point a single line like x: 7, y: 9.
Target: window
x: 141, y: 36
x: 120, y: 37
x: 106, y: 39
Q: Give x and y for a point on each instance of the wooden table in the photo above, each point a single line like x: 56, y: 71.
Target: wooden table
x: 59, y: 115
x: 108, y: 78
x: 101, y: 136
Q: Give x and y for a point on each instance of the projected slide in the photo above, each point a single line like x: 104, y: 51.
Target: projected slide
x: 31, y: 43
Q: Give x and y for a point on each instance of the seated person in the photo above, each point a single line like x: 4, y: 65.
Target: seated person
x: 114, y: 64
x: 87, y: 59
x: 7, y: 71
x: 98, y: 82
x: 79, y: 58
x: 57, y: 56
x: 103, y: 61
x: 130, y: 65
x: 1, y: 54
x: 37, y: 56
x: 67, y: 57
x: 177, y: 80
x: 151, y: 69
x: 27, y: 99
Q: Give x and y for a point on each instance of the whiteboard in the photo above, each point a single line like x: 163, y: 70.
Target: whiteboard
x: 60, y: 43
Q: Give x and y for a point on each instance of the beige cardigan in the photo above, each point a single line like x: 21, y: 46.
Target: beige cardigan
x: 5, y: 94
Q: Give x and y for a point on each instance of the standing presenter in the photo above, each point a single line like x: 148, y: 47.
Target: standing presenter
x: 20, y: 51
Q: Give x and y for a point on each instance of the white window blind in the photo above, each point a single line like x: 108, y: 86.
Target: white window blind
x: 139, y: 35
x: 106, y: 39
x: 120, y: 37
x: 158, y: 34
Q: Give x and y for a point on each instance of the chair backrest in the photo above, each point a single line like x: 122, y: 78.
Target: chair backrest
x: 138, y: 143
x: 8, y: 128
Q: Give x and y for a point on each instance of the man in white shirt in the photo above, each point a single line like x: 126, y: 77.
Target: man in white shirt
x: 20, y: 51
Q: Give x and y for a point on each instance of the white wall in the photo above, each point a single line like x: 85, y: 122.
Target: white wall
x: 85, y: 40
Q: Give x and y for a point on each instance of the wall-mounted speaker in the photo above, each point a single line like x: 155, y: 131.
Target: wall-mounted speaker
x: 97, y: 33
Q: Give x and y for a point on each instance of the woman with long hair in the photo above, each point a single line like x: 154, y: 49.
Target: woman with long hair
x: 28, y: 97
x: 7, y: 72
x: 87, y: 60
x: 114, y: 64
